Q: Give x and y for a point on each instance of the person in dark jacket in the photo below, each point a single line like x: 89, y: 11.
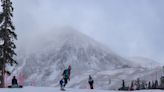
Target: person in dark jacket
x: 66, y: 75
x: 90, y: 81
x: 14, y: 81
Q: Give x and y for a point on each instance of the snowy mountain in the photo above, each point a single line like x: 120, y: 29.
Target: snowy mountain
x: 44, y: 56
x: 145, y: 62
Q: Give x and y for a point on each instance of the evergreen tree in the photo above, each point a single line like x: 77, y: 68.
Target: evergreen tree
x: 143, y: 85
x: 153, y: 85
x: 156, y: 84
x: 132, y: 85
x: 7, y: 35
x: 149, y: 85
x: 138, y: 84
x: 123, y: 84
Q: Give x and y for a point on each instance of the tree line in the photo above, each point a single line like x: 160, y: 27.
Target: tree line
x: 143, y: 84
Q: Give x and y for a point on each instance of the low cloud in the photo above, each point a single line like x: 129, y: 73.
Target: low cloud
x: 131, y: 28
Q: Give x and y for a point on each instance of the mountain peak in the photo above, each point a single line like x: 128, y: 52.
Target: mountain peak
x: 51, y: 51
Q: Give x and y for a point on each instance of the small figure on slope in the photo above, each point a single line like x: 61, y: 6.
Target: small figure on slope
x: 90, y: 81
x: 14, y: 82
x: 66, y: 75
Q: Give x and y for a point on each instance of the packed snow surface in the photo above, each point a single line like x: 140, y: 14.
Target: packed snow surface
x: 51, y: 89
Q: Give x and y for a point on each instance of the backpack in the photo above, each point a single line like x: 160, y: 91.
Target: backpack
x: 66, y: 73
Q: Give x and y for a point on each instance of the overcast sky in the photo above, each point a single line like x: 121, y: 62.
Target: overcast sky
x: 129, y: 27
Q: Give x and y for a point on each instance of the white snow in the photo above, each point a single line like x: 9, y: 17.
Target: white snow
x: 145, y: 62
x: 51, y: 89
x: 44, y: 57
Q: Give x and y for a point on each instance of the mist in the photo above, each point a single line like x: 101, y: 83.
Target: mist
x: 130, y: 28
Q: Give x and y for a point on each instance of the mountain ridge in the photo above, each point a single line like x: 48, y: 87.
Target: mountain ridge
x: 47, y: 54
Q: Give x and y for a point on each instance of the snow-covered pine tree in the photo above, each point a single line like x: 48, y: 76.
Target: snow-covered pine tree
x: 7, y: 36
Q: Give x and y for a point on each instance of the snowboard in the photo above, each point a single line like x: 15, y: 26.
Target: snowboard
x: 19, y: 86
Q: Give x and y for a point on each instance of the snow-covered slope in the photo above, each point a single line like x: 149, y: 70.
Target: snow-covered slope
x: 50, y: 89
x: 145, y: 62
x: 44, y: 56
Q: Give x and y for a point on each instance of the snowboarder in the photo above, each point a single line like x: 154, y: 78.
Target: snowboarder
x: 14, y: 82
x: 62, y: 84
x: 66, y: 75
x: 90, y: 81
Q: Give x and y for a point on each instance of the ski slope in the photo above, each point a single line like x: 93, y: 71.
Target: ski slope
x: 51, y: 89
x: 46, y: 54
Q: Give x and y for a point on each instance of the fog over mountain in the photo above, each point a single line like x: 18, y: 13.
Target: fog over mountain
x: 127, y: 27
x: 43, y: 59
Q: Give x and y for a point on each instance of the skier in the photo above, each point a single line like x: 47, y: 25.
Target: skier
x: 90, y: 81
x: 66, y: 75
x: 62, y: 84
x: 14, y: 82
